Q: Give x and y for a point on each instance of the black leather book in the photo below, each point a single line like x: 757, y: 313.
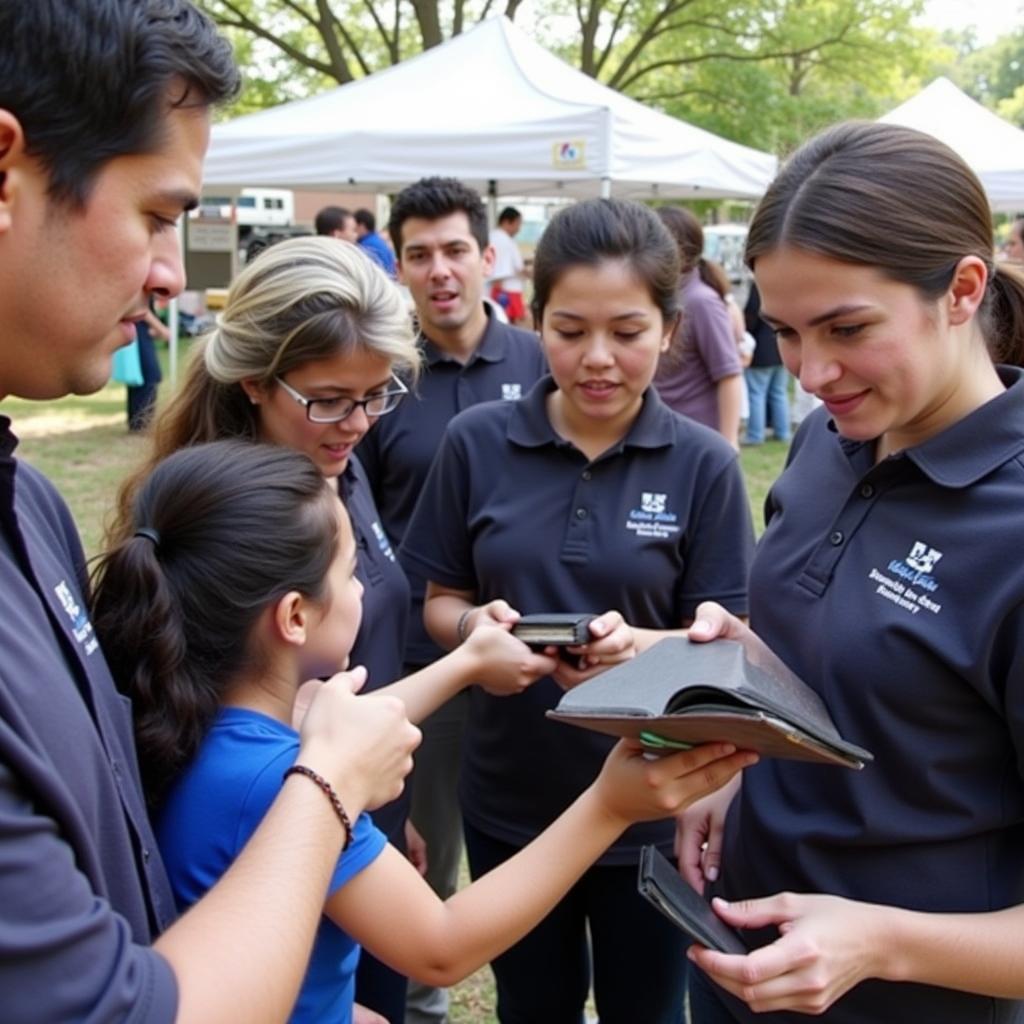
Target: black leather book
x: 660, y: 884
x: 701, y: 693
x: 560, y: 629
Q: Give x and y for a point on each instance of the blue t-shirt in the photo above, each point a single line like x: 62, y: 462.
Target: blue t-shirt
x: 379, y: 251
x: 216, y: 806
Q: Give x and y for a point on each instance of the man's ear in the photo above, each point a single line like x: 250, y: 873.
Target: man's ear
x: 487, y: 258
x: 12, y: 154
x: 290, y: 619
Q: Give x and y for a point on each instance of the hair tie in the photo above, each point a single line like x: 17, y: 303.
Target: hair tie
x: 150, y: 534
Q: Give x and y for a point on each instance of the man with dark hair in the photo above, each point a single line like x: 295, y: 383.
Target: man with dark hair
x: 336, y: 222
x: 439, y: 229
x: 507, y: 274
x: 104, y: 121
x: 376, y: 248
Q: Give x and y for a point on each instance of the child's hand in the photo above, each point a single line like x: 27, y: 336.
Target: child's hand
x: 506, y: 665
x: 495, y: 613
x: 612, y: 642
x: 362, y: 745
x: 634, y: 788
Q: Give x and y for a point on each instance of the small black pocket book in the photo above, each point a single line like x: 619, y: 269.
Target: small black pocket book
x: 559, y: 629
x: 659, y: 883
x: 705, y: 693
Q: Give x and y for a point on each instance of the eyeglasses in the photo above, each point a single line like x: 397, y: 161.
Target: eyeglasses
x: 334, y: 410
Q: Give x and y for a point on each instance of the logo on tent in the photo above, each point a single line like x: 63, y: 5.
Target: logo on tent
x: 569, y: 155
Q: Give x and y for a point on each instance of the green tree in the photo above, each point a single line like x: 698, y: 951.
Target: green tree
x: 770, y: 73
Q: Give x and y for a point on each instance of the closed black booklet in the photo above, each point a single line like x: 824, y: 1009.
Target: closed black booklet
x: 554, y: 629
x: 660, y: 884
x: 694, y: 693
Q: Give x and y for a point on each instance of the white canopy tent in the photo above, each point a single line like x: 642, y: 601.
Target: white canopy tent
x: 494, y: 109
x: 992, y: 147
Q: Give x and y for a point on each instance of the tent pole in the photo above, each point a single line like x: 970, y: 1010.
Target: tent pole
x: 492, y: 203
x: 606, y: 178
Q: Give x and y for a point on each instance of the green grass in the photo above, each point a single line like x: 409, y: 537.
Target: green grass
x: 82, y: 444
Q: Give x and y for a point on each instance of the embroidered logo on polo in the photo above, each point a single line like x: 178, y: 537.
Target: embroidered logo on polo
x: 511, y: 392
x: 382, y: 540
x: 908, y: 582
x: 652, y: 518
x: 81, y: 627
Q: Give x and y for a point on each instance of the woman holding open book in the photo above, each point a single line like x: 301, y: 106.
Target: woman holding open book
x: 587, y: 495
x: 888, y: 579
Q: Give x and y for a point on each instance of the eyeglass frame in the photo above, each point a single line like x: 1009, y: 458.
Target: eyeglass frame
x: 399, y: 392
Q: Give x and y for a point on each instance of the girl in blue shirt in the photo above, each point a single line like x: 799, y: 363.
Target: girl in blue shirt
x: 221, y: 602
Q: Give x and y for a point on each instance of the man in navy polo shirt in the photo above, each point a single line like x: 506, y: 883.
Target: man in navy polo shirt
x: 104, y: 121
x: 439, y: 230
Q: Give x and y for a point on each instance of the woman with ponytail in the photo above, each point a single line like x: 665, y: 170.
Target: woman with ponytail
x: 888, y: 578
x: 222, y: 598
x: 701, y: 375
x: 314, y: 345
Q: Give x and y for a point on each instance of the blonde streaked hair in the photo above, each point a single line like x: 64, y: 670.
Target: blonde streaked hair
x: 304, y: 299
x: 300, y: 300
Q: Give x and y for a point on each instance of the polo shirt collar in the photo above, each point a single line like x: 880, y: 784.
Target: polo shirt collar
x: 492, y: 348
x: 971, y: 448
x: 530, y: 427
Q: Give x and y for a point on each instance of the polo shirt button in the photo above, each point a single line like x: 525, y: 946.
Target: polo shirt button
x: 581, y: 513
x: 836, y: 537
x: 867, y: 491
x: 145, y: 855
x: 586, y: 474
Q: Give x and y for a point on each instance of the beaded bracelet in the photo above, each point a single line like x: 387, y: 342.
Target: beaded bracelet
x: 301, y: 769
x: 460, y: 627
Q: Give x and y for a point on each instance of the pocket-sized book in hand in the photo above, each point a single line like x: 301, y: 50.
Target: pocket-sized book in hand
x: 661, y: 885
x: 559, y: 629
x: 692, y: 693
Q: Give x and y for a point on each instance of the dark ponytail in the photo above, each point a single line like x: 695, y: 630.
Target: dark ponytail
x: 715, y: 277
x: 224, y: 530
x: 1003, y: 320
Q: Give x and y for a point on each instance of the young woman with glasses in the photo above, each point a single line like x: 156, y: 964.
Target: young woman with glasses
x: 307, y: 354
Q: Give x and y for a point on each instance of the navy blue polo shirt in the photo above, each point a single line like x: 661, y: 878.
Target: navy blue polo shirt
x: 897, y: 591
x: 82, y: 888
x: 381, y: 638
x: 398, y: 450
x: 654, y: 526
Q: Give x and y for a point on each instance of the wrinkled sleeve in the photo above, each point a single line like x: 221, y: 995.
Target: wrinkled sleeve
x: 711, y: 330
x: 65, y: 955
x: 438, y: 543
